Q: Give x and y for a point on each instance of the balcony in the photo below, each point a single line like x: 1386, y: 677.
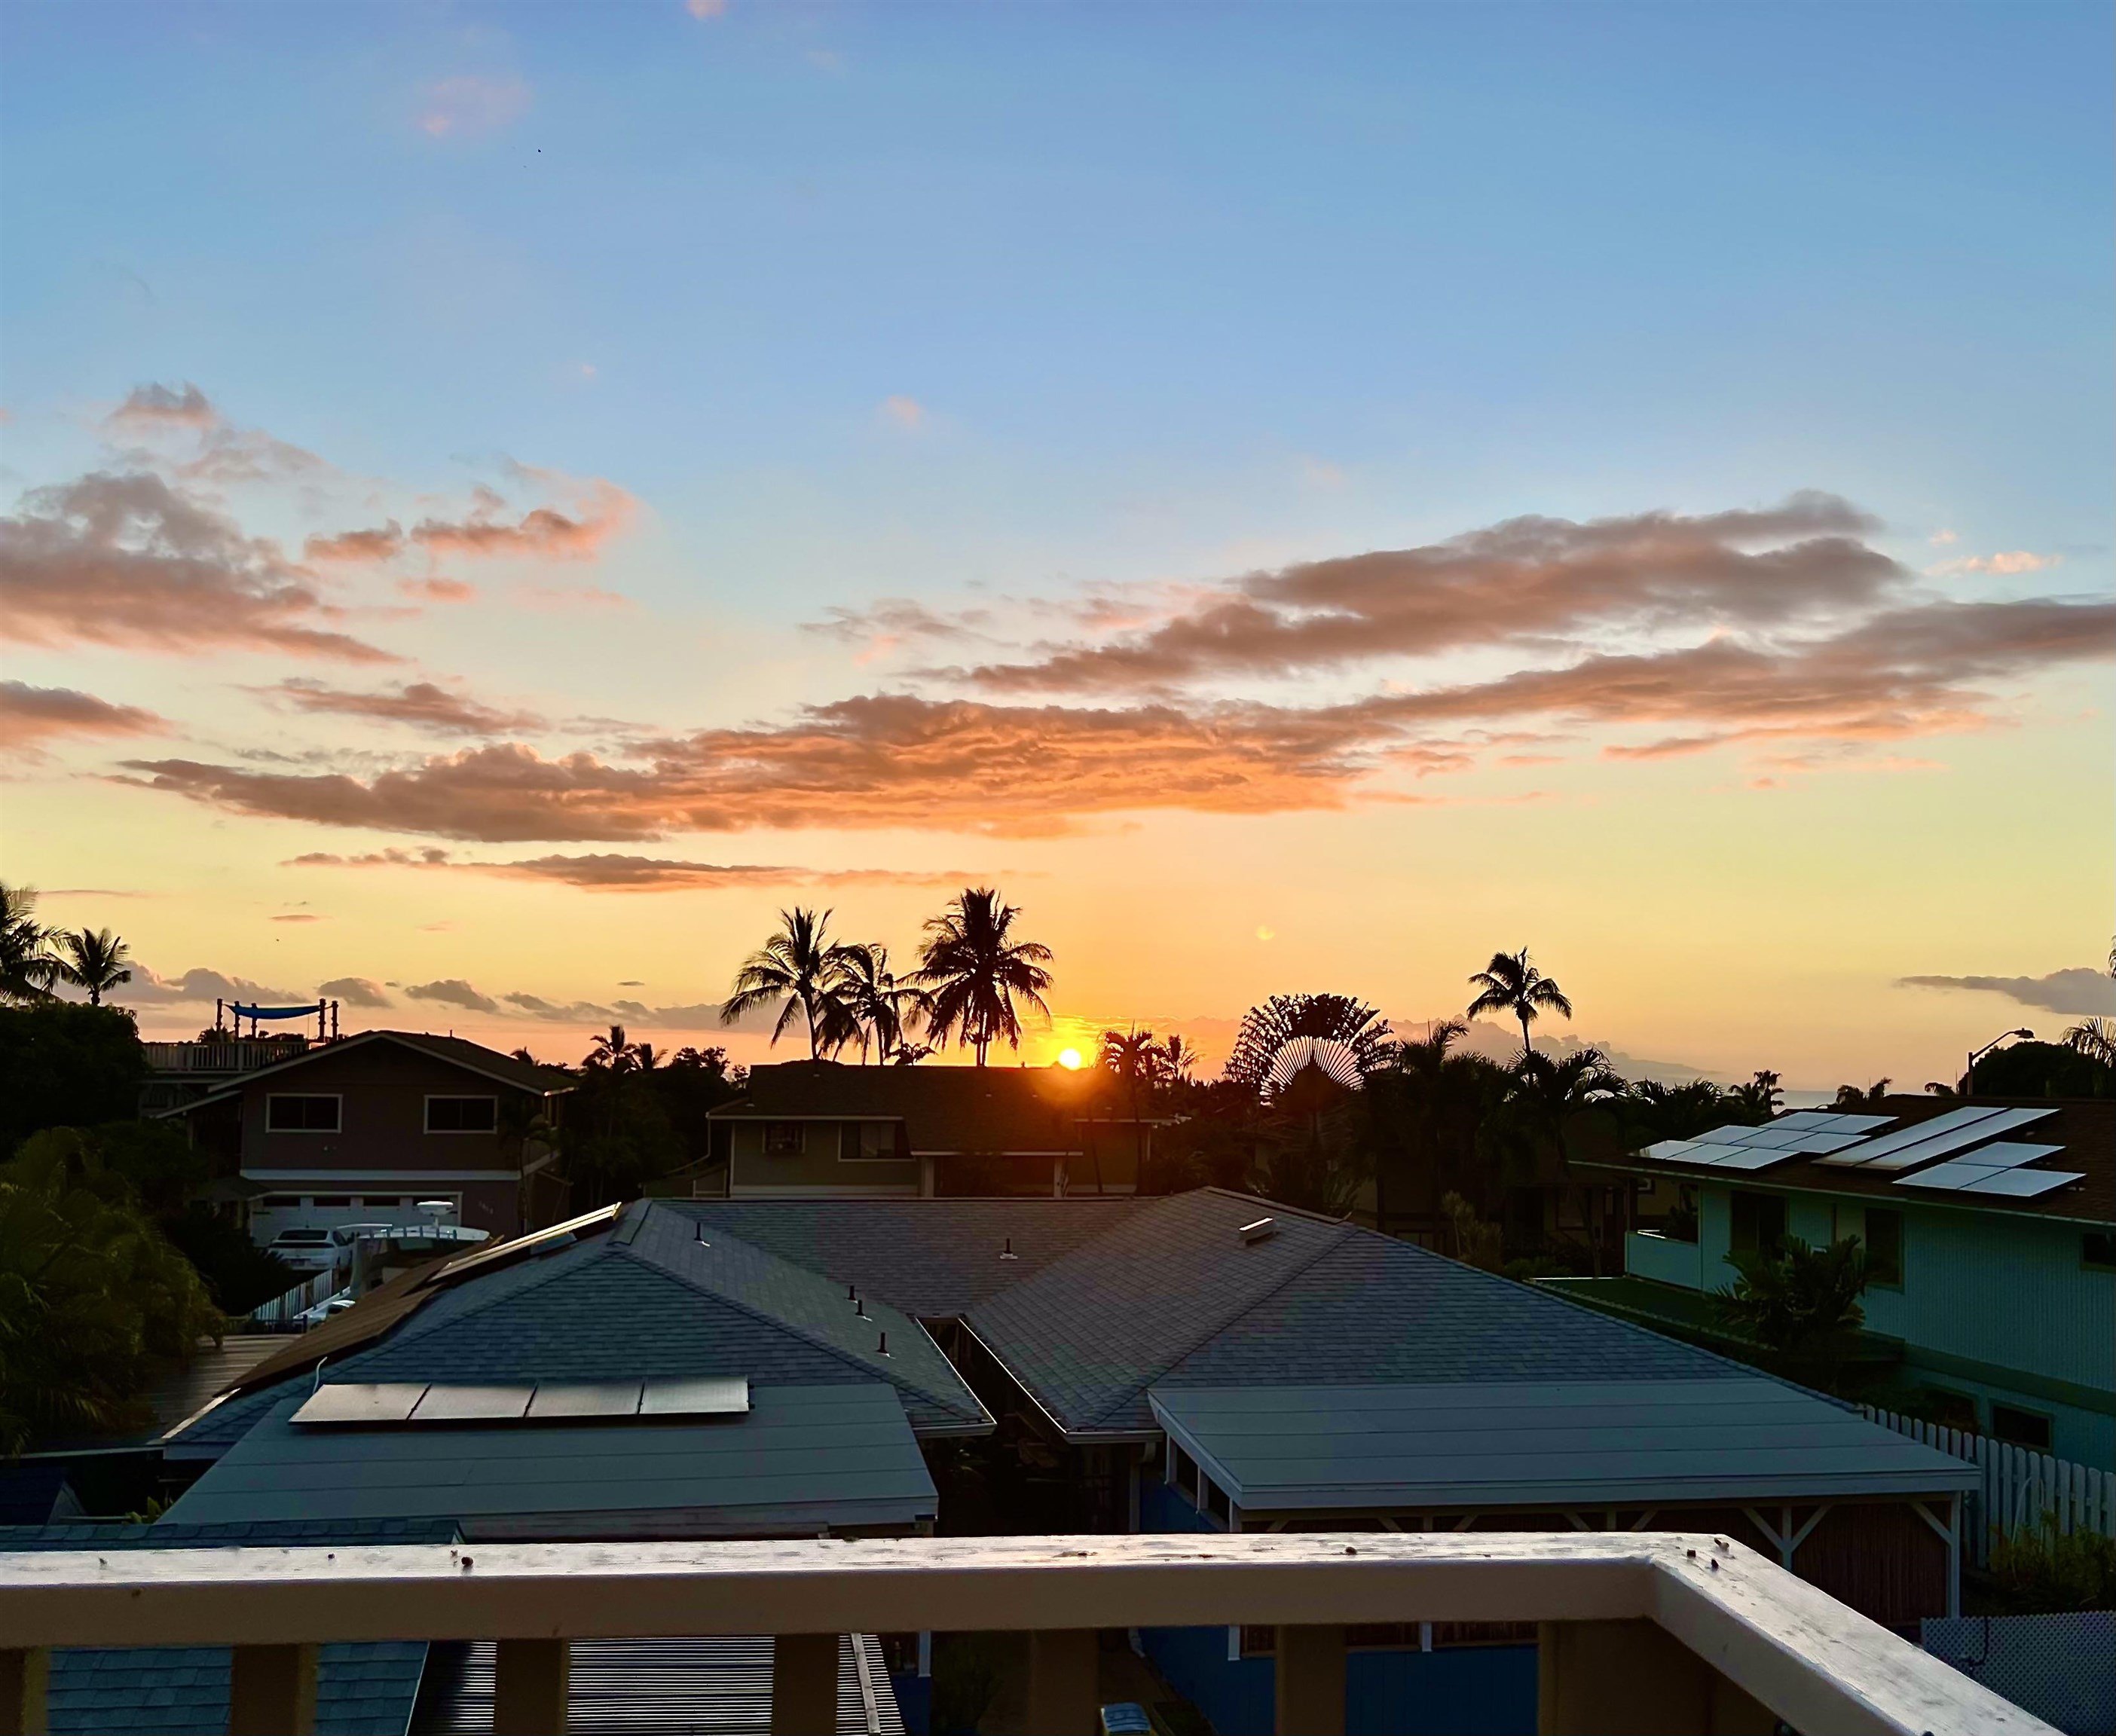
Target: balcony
x: 1637, y: 1632
x: 222, y: 1060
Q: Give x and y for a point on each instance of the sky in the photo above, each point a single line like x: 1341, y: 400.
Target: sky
x: 497, y: 502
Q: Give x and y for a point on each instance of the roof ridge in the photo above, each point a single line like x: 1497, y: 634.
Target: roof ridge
x: 629, y: 1251
x: 1249, y: 1307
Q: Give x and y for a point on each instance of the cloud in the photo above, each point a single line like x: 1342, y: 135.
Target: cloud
x: 29, y: 715
x: 298, y: 916
x: 651, y: 874
x: 2079, y: 990
x: 439, y: 590
x: 901, y: 760
x: 2006, y: 564
x: 470, y: 104
x: 702, y: 10
x: 152, y: 408
x: 1526, y: 581
x: 124, y: 559
x: 883, y: 626
x: 593, y: 512
x: 452, y: 992
x: 382, y: 544
x: 354, y: 991
x: 1943, y: 538
x: 201, y: 987
x: 906, y: 412
x: 421, y: 703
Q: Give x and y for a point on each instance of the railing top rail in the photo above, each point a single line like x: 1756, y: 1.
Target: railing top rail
x: 1814, y: 1662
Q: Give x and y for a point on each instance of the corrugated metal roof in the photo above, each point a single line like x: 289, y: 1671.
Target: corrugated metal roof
x: 1599, y: 1443
x: 721, y: 1685
x: 802, y: 1458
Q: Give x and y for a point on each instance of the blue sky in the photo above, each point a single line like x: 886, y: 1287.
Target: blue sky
x: 1001, y: 307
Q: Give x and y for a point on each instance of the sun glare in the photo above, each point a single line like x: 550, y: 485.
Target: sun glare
x: 1070, y: 1059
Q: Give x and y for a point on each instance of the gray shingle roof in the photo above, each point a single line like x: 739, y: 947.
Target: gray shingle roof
x: 362, y: 1690
x: 801, y: 1459
x: 933, y: 1258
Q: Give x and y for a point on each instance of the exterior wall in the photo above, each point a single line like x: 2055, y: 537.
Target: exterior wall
x: 382, y: 1145
x: 1996, y: 1307
x: 820, y: 1168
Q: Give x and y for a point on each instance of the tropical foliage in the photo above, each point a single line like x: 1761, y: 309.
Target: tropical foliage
x: 91, y: 1295
x: 28, y: 966
x: 799, y: 969
x: 1511, y: 985
x: 63, y: 1064
x: 1345, y: 1038
x: 980, y: 977
x: 94, y: 960
x: 1798, y: 1300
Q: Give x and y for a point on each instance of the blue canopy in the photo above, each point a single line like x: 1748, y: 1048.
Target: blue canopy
x: 310, y: 1011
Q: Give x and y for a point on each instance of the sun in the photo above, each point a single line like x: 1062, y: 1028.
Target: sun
x: 1070, y: 1059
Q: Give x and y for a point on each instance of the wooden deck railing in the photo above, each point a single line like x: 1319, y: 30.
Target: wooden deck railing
x: 1639, y: 1631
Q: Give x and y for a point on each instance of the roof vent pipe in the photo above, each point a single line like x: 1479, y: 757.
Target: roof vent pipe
x: 882, y: 1348
x: 1260, y: 1231
x: 859, y: 1308
x: 1007, y: 1252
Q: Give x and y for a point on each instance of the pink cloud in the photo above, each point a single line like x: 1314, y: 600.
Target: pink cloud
x: 471, y: 104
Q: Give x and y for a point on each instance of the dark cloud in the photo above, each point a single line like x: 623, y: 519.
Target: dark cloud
x: 124, y: 559
x: 28, y: 715
x: 2080, y: 990
x: 1526, y: 581
x: 202, y: 987
x: 354, y: 991
x: 422, y: 704
x: 452, y: 992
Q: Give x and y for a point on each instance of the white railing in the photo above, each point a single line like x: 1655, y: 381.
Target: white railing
x: 1649, y: 1254
x: 241, y: 1055
x: 280, y: 1313
x: 2019, y: 1487
x: 1637, y: 1632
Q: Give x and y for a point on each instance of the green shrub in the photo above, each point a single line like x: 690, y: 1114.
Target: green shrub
x: 2039, y: 1570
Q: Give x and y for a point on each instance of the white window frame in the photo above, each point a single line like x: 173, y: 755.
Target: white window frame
x: 434, y: 1097
x: 273, y: 1097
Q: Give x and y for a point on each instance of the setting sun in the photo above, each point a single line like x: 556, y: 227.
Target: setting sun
x: 1070, y: 1059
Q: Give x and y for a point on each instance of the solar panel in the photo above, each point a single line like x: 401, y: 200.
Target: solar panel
x: 496, y: 1403
x: 726, y: 1396
x: 1728, y: 1135
x: 1747, y: 1157
x: 1887, y: 1144
x: 574, y: 1400
x: 1815, y: 1144
x: 1672, y: 1151
x: 2022, y: 1184
x: 1958, y: 1139
x: 352, y: 1402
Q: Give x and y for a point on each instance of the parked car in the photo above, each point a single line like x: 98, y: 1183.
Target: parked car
x: 345, y: 1234
x: 323, y: 1310
x: 304, y: 1250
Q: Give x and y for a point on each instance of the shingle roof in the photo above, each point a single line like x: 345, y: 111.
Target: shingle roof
x: 362, y: 1690
x: 802, y: 1458
x: 933, y: 1258
x: 983, y: 1109
x: 488, y: 1063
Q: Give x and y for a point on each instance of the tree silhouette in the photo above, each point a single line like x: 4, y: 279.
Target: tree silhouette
x: 1138, y: 1061
x: 27, y: 965
x: 801, y: 966
x: 1345, y: 1038
x: 94, y: 959
x: 881, y: 1004
x: 975, y: 970
x: 1511, y: 985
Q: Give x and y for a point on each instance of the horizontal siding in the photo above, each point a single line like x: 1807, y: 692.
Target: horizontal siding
x: 2008, y: 1292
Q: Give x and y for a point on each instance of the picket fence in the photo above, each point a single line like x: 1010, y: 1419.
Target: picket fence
x: 281, y: 1313
x: 2021, y: 1488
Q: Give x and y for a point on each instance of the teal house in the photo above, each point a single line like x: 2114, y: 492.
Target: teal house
x: 1989, y: 1228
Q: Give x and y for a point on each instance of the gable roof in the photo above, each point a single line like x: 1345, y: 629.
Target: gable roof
x: 472, y: 1057
x: 945, y: 1109
x: 646, y: 1297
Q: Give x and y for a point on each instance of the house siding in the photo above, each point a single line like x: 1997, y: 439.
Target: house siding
x: 819, y: 1167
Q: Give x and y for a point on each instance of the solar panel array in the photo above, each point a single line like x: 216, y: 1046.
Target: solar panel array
x: 1979, y: 1161
x: 398, y: 1404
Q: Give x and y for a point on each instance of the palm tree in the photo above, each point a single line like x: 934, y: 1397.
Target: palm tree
x: 1346, y: 1038
x: 94, y: 959
x: 880, y: 1004
x: 1177, y: 1059
x: 27, y: 968
x: 802, y: 965
x: 614, y: 1053
x: 975, y: 970
x: 1137, y: 1060
x: 1760, y: 1097
x: 1511, y: 985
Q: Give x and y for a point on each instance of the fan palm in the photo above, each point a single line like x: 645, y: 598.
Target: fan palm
x: 882, y: 1005
x: 1511, y: 985
x: 1346, y: 1038
x: 975, y: 971
x: 27, y: 967
x: 800, y: 966
x: 94, y: 959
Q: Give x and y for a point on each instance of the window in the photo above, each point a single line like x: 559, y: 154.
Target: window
x: 2020, y: 1428
x: 1681, y: 1223
x: 1759, y: 1223
x: 785, y: 1138
x: 301, y: 1114
x: 2097, y: 1248
x: 1953, y: 1410
x: 462, y: 1114
x: 1884, y: 1248
x: 870, y: 1140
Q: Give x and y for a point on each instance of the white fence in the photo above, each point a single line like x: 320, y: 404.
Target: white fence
x: 2019, y: 1486
x: 279, y: 1313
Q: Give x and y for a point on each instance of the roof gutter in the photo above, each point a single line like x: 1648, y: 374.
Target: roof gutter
x: 1071, y: 1437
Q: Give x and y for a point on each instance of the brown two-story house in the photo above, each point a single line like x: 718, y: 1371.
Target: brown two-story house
x: 369, y: 1128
